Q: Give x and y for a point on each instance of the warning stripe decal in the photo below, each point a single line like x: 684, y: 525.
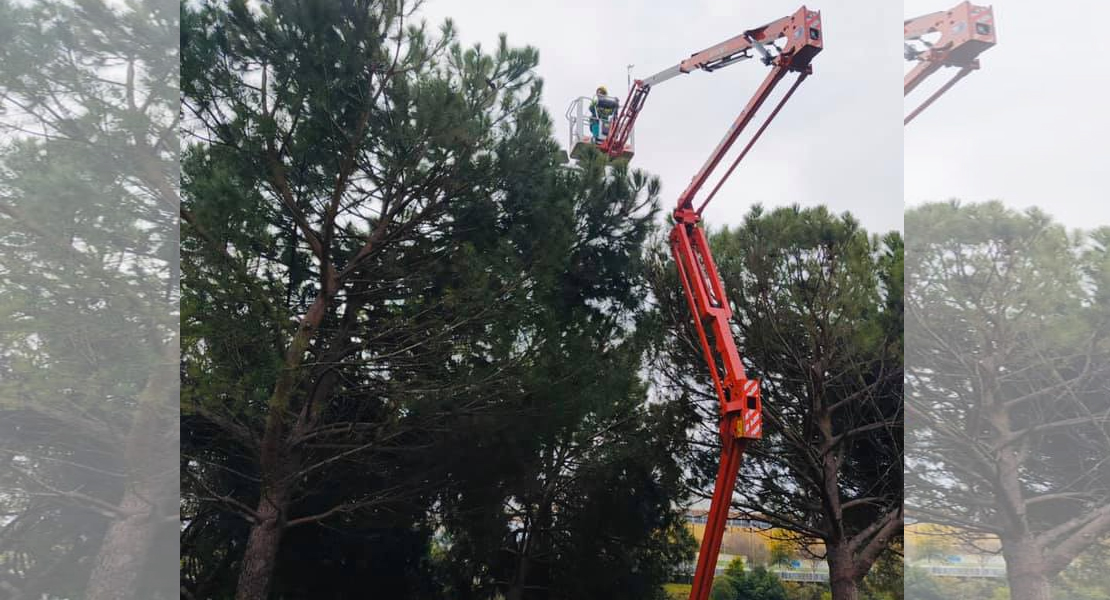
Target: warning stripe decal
x: 753, y: 423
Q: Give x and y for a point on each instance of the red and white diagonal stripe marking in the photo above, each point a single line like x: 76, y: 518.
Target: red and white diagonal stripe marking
x: 753, y: 423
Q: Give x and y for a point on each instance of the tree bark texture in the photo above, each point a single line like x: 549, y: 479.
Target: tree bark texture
x: 842, y: 573
x: 1026, y: 571
x: 124, y: 550
x: 260, y: 557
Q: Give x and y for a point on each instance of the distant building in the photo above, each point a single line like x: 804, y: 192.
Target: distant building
x: 736, y: 520
x: 950, y: 552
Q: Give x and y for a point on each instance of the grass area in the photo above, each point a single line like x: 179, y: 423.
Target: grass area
x: 677, y: 591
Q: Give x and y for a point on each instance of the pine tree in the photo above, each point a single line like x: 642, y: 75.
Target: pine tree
x: 88, y: 259
x: 396, y: 306
x: 1008, y: 353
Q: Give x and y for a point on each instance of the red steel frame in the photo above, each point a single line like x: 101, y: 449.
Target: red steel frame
x: 721, y: 55
x: 741, y: 407
x: 966, y: 31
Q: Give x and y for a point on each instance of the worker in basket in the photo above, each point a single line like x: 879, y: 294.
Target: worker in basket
x: 602, y: 107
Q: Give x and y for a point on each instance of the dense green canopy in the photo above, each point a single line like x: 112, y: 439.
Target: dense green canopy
x: 412, y: 339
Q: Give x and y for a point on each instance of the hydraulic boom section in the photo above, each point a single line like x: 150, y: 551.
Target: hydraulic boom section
x: 741, y: 407
x: 965, y: 32
x: 799, y: 34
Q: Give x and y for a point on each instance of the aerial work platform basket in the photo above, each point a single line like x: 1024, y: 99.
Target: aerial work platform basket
x: 581, y: 138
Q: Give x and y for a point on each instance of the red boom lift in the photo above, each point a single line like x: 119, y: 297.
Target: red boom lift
x: 965, y: 32
x: 740, y: 405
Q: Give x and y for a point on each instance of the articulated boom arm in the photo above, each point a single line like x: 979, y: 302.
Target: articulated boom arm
x: 794, y: 31
x: 741, y: 408
x: 966, y: 31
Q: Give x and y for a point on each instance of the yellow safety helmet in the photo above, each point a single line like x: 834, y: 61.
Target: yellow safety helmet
x: 601, y: 90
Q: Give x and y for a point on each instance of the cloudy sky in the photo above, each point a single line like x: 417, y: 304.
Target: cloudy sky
x: 1031, y: 127
x: 837, y: 142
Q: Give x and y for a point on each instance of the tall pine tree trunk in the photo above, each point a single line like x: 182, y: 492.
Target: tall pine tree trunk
x: 1025, y: 570
x: 125, y: 548
x: 842, y: 572
x: 536, y: 543
x: 260, y: 557
x: 129, y: 542
x: 523, y: 572
x: 844, y: 589
x: 276, y: 462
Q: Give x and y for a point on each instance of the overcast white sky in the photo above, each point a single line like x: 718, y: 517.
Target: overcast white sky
x: 837, y: 142
x: 1031, y: 127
